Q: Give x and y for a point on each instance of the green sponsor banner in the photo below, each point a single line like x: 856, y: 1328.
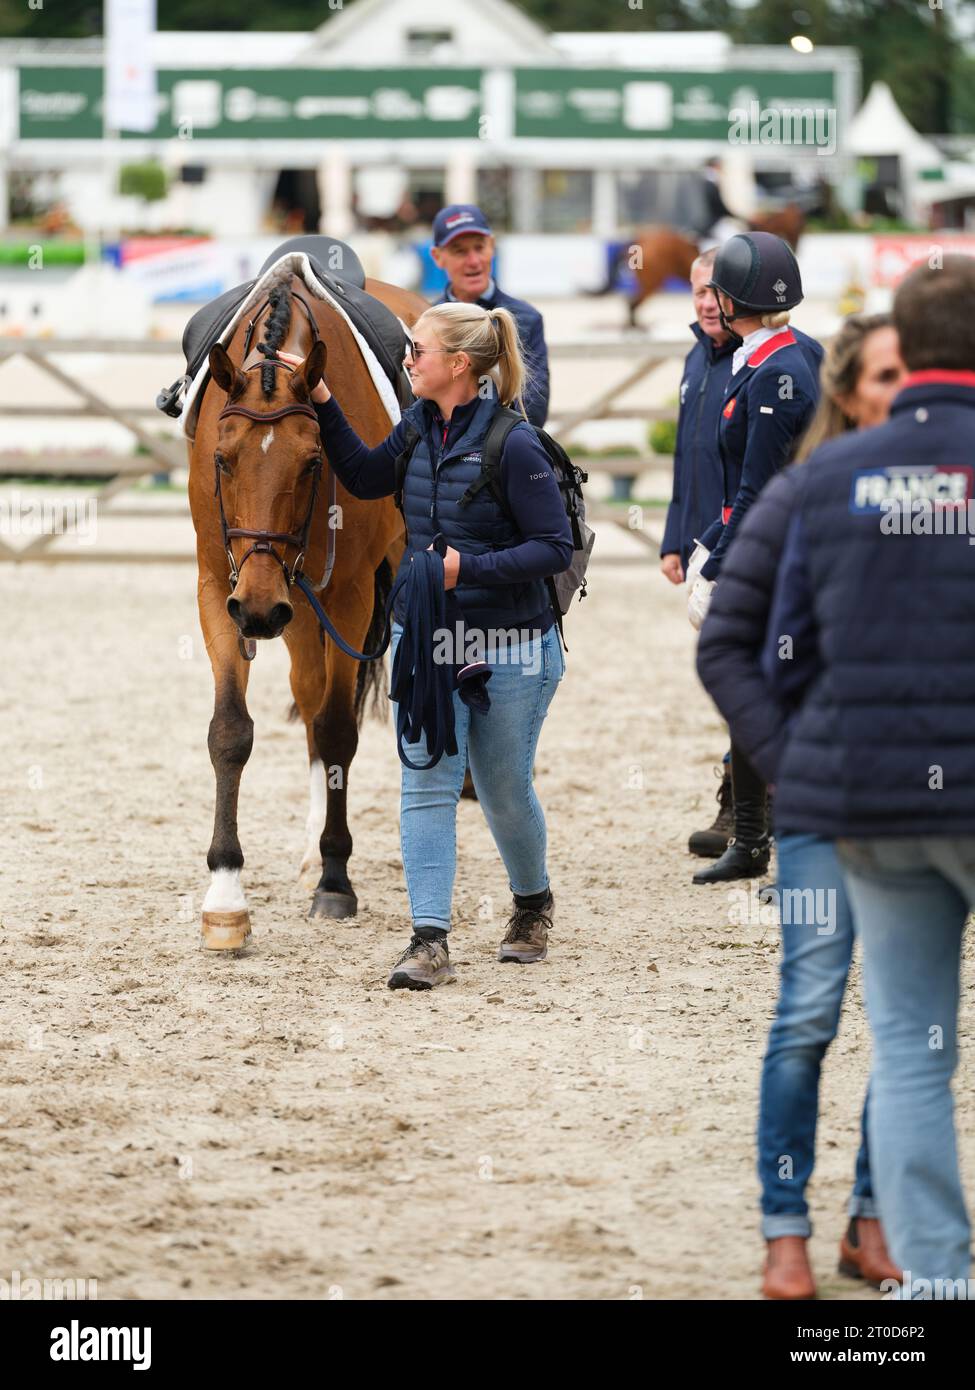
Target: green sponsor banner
x: 264, y: 104
x: 640, y: 105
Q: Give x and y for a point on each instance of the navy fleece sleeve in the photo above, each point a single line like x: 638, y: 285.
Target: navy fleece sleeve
x: 363, y: 471
x: 671, y: 543
x: 539, y: 513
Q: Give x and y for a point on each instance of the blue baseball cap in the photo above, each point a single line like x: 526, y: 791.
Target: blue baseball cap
x: 458, y: 220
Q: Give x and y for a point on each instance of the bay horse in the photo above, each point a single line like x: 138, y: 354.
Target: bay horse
x: 258, y: 498
x: 664, y: 252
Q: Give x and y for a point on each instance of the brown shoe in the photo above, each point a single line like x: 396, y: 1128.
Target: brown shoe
x: 787, y: 1270
x: 526, y: 939
x: 712, y: 843
x: 422, y: 965
x: 863, y: 1253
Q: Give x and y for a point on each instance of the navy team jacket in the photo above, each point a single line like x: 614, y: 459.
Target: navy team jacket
x: 505, y: 556
x: 882, y: 675
x: 698, y: 477
x: 767, y: 406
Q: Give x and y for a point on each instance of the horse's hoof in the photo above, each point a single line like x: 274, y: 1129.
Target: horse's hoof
x: 225, y: 931
x: 328, y: 904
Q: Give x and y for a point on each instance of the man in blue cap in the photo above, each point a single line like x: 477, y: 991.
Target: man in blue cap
x: 464, y: 248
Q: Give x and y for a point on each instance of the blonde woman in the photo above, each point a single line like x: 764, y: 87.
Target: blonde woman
x: 465, y: 363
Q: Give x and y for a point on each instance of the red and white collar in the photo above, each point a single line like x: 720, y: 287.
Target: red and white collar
x: 757, y: 347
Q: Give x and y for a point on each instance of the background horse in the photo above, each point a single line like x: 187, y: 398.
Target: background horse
x: 664, y: 252
x: 264, y: 475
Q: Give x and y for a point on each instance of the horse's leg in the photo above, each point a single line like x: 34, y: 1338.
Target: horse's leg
x: 308, y: 688
x: 337, y: 738
x: 226, y: 920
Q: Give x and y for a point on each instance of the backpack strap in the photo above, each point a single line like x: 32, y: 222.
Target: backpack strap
x: 500, y: 427
x: 402, y: 462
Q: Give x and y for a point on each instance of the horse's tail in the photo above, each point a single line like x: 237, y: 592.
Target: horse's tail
x: 371, y: 678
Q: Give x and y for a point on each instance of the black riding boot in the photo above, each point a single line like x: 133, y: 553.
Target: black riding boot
x: 747, y: 854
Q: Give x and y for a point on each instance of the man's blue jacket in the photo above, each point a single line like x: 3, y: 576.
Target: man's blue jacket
x: 698, y: 478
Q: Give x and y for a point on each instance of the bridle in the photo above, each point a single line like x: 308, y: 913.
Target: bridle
x: 264, y: 541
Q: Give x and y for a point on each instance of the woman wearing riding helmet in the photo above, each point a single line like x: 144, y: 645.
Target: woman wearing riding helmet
x: 465, y: 363
x: 769, y: 400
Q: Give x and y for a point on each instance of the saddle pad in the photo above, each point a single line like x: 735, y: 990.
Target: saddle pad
x: 345, y: 298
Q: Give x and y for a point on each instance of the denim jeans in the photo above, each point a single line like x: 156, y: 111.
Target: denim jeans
x: 817, y: 944
x: 911, y: 897
x: 501, y: 748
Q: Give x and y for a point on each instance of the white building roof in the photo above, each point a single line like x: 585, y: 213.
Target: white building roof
x: 374, y: 33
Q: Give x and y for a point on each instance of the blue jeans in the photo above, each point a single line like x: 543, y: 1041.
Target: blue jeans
x: 912, y: 897
x: 817, y: 944
x: 501, y: 748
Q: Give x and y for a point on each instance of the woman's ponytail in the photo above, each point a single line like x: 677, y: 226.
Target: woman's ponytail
x: 511, y: 364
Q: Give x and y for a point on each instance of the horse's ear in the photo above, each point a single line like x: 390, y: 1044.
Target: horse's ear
x: 223, y: 371
x: 312, y: 369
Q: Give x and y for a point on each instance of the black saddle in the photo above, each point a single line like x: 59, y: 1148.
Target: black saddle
x: 339, y: 269
x: 327, y: 254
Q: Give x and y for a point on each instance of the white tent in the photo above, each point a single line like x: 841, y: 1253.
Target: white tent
x: 881, y: 128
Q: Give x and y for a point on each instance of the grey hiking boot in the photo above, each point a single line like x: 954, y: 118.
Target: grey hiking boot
x: 526, y: 939
x: 422, y: 965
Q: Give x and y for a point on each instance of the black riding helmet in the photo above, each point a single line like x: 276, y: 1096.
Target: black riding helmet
x: 759, y: 274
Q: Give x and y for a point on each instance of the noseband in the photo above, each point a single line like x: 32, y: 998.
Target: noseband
x: 263, y: 541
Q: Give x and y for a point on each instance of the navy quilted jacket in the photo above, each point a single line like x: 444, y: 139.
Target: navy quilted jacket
x: 869, y: 633
x: 733, y: 638
x: 504, y: 558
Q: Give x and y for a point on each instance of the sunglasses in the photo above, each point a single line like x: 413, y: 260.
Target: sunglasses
x: 416, y: 352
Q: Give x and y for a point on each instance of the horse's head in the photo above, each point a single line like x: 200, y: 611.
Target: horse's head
x: 267, y: 461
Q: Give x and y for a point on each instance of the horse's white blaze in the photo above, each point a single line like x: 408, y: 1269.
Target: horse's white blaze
x: 225, y: 893
x: 315, y: 823
x: 268, y: 439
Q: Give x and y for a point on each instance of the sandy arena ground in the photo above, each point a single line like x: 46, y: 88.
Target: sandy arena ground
x: 281, y: 1125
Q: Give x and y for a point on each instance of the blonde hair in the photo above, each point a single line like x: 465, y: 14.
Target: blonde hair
x: 838, y: 376
x: 490, y: 339
x: 776, y: 320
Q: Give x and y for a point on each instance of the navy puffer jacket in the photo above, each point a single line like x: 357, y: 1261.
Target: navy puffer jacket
x: 877, y: 619
x: 729, y: 653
